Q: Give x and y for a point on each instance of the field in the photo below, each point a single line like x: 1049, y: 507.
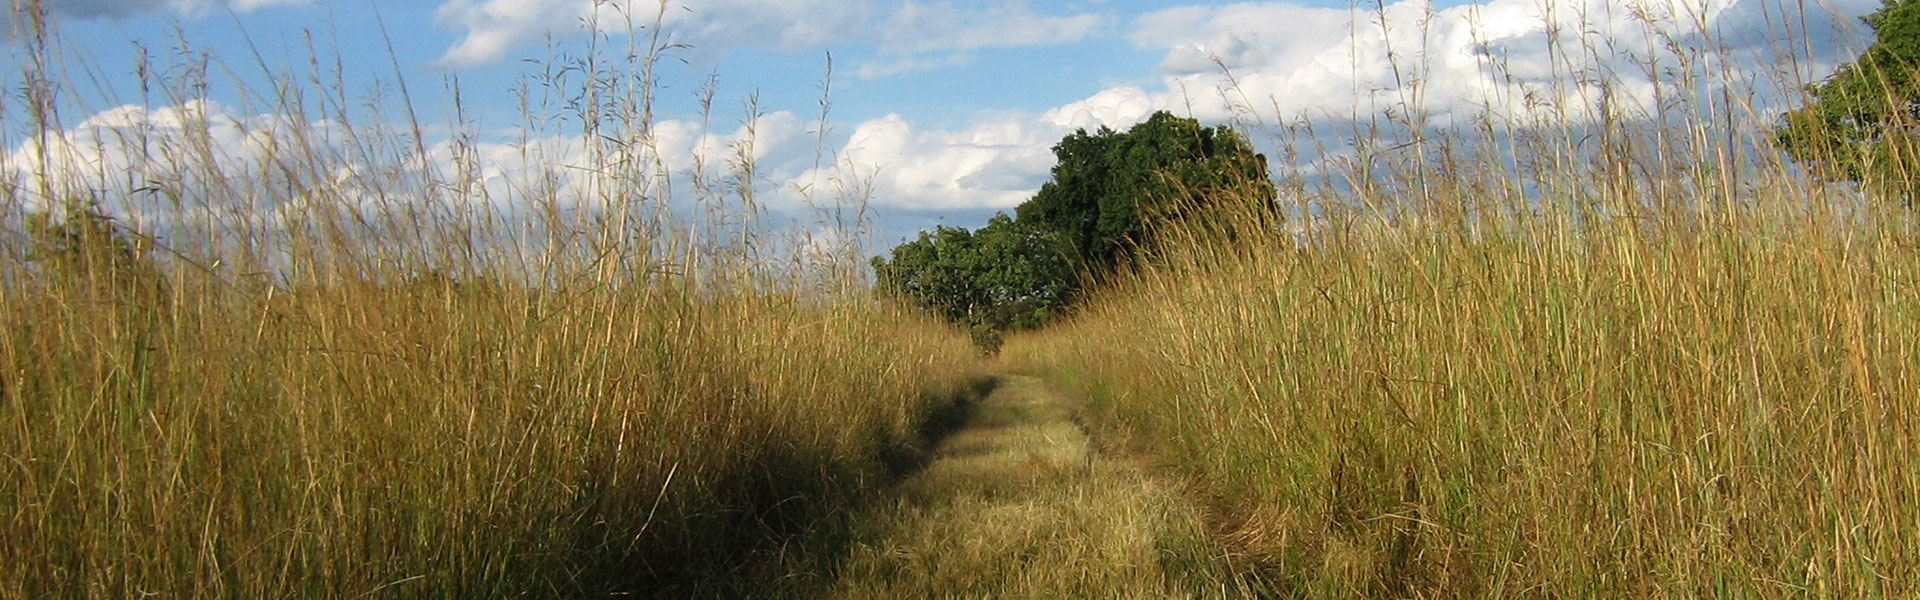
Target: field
x: 1641, y: 355
x: 1723, y: 412
x: 1595, y: 348
x: 286, y: 378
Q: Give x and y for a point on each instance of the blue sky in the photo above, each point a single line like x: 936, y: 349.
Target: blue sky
x: 949, y: 107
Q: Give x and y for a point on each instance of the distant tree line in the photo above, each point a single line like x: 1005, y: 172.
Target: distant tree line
x: 1109, y: 192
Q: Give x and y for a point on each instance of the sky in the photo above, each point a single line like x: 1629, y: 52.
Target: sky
x: 946, y: 109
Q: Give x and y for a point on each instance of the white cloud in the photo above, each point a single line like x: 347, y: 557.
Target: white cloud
x: 157, y: 166
x: 163, y: 168
x: 495, y: 27
x: 1289, y: 61
x: 997, y: 163
x: 197, y: 7
x: 1115, y: 107
x: 259, y: 171
x: 1240, y: 35
x: 908, y: 35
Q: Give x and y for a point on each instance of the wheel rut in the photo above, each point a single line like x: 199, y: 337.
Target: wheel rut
x: 1019, y: 503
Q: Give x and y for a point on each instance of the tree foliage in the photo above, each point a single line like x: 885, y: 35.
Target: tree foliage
x: 1110, y: 188
x: 1108, y: 192
x: 1006, y: 275
x: 1863, y: 120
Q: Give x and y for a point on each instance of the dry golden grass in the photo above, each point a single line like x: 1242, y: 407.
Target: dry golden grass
x: 1585, y: 413
x: 1019, y: 504
x: 464, y: 442
x: 1626, y: 357
x: 341, y: 369
x: 1637, y: 355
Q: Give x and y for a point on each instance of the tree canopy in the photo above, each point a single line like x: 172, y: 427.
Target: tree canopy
x: 1006, y: 275
x: 1862, y: 123
x: 1108, y: 193
x: 1108, y: 188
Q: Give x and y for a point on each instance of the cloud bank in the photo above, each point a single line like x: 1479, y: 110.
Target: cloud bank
x: 1271, y: 62
x: 1284, y: 62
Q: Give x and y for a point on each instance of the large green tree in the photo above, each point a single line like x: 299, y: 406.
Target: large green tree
x: 1109, y: 189
x: 1003, y: 276
x: 936, y: 272
x: 1108, y: 193
x: 1863, y: 121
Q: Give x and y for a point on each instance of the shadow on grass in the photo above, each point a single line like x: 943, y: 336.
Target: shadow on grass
x: 903, y: 458
x: 784, y: 519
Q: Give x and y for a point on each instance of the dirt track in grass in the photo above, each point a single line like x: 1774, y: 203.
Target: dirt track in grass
x: 1019, y: 503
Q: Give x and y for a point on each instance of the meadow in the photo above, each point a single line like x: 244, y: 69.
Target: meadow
x: 338, y: 367
x: 1611, y: 345
x: 1625, y: 352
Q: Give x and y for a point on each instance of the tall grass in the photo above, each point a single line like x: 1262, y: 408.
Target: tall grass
x: 353, y: 361
x: 1627, y: 354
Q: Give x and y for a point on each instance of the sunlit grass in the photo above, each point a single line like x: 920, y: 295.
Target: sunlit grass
x: 362, y: 363
x: 466, y: 440
x: 1022, y: 504
x: 1633, y: 356
x: 1728, y: 413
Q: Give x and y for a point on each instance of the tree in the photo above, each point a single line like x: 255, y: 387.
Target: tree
x: 1862, y: 123
x: 1003, y: 276
x: 1110, y: 189
x: 1026, y: 274
x: 936, y: 272
x: 1109, y: 192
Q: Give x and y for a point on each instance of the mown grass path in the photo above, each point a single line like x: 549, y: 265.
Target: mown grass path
x: 1018, y: 503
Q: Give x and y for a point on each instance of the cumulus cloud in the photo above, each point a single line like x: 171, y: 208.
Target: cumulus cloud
x: 159, y: 167
x: 1288, y: 62
x: 1510, y: 56
x: 132, y: 146
x: 909, y: 35
x: 997, y: 163
x: 1242, y: 36
x: 140, y: 163
x: 494, y: 27
x: 1113, y: 107
x: 1335, y: 65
